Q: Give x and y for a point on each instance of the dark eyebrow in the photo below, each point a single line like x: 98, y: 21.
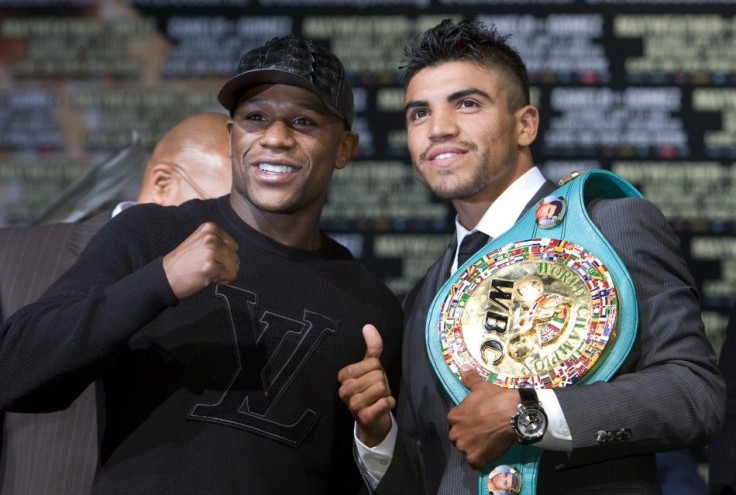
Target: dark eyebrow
x: 315, y: 107
x: 414, y: 104
x: 458, y: 95
x: 307, y: 105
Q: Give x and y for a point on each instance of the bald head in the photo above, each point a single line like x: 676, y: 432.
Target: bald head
x: 192, y: 160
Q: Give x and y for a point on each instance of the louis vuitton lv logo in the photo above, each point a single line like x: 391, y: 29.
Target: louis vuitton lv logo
x: 270, y: 351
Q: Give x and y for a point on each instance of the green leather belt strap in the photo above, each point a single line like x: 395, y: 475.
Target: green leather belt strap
x: 528, y: 237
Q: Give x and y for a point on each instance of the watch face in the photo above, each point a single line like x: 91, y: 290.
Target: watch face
x: 531, y: 424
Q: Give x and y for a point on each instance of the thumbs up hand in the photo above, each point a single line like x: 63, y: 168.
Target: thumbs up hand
x: 365, y: 390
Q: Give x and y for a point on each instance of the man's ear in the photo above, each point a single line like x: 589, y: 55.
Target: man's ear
x: 528, y: 125
x: 164, y: 183
x: 347, y: 147
x: 229, y: 125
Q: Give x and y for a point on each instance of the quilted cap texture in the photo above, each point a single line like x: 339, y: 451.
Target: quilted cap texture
x: 297, y: 62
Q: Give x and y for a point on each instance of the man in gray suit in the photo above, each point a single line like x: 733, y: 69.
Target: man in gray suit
x: 56, y: 452
x: 469, y: 128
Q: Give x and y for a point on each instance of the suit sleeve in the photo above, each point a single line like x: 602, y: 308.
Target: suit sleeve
x: 722, y: 452
x: 669, y: 393
x: 52, y: 349
x: 405, y: 474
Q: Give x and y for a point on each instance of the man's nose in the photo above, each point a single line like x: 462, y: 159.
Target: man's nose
x: 277, y: 135
x: 442, y: 124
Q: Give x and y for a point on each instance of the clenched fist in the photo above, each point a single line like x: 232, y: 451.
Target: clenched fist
x: 208, y: 256
x: 480, y: 426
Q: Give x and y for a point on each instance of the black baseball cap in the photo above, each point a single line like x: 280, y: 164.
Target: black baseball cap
x: 296, y: 62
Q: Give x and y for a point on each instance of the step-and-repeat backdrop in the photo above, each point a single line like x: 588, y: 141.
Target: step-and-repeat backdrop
x: 646, y: 89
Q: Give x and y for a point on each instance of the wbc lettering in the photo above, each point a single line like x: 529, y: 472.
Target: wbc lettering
x: 496, y: 323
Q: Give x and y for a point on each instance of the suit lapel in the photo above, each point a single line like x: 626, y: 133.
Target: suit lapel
x: 547, y: 188
x: 83, y: 232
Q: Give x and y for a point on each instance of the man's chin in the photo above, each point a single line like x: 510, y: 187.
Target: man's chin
x: 455, y: 193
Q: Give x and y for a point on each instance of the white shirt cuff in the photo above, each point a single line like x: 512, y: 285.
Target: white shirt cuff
x: 557, y: 436
x: 373, y: 462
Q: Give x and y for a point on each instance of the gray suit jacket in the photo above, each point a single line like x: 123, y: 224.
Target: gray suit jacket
x: 722, y: 452
x: 669, y: 391
x: 56, y: 452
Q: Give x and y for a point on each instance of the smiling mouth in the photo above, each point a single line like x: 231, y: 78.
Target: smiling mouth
x: 433, y: 155
x: 442, y: 156
x: 275, y: 169
x: 446, y: 151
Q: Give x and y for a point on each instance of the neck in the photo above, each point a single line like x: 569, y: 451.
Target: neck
x: 298, y: 230
x: 469, y: 213
x: 471, y: 209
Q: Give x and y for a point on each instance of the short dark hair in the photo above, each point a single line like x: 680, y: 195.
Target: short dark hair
x: 470, y: 41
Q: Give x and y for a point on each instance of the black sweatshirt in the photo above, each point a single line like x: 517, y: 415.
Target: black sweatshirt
x: 231, y: 390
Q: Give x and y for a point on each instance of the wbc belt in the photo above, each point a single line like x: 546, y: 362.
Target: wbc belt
x: 547, y: 304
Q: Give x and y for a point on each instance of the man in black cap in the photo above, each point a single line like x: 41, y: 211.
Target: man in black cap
x: 215, y: 329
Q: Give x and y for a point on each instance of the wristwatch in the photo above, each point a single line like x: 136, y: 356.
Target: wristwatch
x: 530, y: 420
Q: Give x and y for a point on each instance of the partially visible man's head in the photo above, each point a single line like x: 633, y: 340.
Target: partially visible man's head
x: 192, y: 160
x: 469, y: 41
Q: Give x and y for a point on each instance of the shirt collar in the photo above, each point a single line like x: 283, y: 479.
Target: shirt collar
x: 121, y: 206
x: 504, y: 212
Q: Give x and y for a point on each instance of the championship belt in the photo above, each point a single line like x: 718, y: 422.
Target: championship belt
x: 547, y: 304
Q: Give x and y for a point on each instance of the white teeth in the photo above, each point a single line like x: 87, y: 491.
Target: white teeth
x: 442, y: 156
x: 276, y: 169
